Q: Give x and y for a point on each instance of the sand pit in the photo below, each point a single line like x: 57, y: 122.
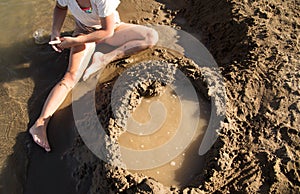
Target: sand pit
x: 163, y: 152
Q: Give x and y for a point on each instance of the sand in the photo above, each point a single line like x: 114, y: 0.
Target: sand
x: 256, y: 47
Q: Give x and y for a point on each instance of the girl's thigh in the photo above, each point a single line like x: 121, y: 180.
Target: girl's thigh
x: 127, y: 32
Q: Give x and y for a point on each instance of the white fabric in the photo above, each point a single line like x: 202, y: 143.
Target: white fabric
x: 100, y: 8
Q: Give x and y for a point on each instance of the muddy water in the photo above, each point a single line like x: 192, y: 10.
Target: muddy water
x: 157, y: 123
x: 22, y: 62
x: 18, y: 23
x: 17, y: 26
x: 27, y: 73
x: 154, y: 123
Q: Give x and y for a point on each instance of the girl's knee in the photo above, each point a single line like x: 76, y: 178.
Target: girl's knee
x: 69, y: 80
x: 151, y: 37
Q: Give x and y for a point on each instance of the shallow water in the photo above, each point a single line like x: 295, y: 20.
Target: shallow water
x: 20, y: 58
x: 27, y: 73
x: 16, y: 46
x: 26, y: 67
x: 154, y: 123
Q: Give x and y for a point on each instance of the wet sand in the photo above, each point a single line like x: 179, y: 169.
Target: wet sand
x: 255, y: 44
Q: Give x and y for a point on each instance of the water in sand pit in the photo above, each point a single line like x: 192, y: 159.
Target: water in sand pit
x: 141, y: 135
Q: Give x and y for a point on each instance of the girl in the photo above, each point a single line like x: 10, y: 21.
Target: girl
x: 97, y: 21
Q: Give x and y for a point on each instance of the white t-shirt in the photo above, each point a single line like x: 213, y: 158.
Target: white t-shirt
x: 100, y: 8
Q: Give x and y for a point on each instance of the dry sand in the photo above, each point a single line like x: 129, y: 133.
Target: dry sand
x: 256, y: 45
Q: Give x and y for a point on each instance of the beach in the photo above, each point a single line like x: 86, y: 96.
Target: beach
x: 254, y: 86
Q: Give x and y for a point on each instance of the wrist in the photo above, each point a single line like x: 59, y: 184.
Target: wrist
x: 80, y: 39
x: 55, y: 34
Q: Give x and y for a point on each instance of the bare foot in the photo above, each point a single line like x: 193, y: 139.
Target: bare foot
x: 39, y: 135
x: 97, y: 64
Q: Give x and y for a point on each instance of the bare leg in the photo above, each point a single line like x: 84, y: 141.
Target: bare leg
x: 130, y: 39
x: 79, y: 58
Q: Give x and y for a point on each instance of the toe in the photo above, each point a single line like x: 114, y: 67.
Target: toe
x: 47, y: 148
x: 84, y: 78
x: 36, y: 139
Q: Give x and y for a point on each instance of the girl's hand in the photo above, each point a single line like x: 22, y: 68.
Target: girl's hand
x: 67, y: 42
x: 55, y: 45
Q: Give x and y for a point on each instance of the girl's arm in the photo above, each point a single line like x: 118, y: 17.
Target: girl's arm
x: 59, y: 15
x: 107, y: 30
